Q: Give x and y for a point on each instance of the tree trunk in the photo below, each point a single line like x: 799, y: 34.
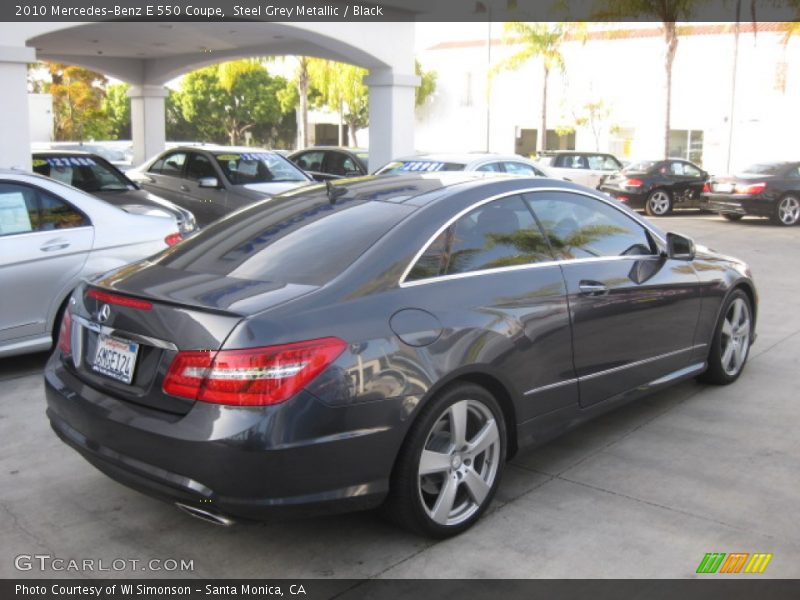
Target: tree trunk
x: 302, y: 88
x: 353, y: 142
x: 671, y: 38
x: 543, y: 130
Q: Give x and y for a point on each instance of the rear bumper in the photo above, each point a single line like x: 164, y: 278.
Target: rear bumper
x: 632, y: 199
x: 244, y: 462
x: 734, y: 204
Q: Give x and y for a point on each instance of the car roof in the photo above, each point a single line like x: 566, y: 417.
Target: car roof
x: 460, y: 157
x: 213, y: 148
x: 56, y: 151
x: 340, y: 148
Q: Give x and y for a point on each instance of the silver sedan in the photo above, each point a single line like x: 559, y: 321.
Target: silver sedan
x: 51, y: 237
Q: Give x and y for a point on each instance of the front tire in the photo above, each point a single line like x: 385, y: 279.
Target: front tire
x: 730, y: 345
x: 451, y: 463
x: 659, y: 203
x: 787, y: 211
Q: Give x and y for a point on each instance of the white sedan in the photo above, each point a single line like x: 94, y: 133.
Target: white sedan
x: 51, y: 236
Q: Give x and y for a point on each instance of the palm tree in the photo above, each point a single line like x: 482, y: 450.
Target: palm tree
x: 538, y: 40
x: 669, y: 12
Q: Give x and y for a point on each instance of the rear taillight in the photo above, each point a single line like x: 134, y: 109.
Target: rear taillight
x: 173, y: 238
x: 633, y: 183
x: 706, y: 188
x: 65, y: 333
x: 126, y: 301
x: 250, y: 377
x: 750, y: 189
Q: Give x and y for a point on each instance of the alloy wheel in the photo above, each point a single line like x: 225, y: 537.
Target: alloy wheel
x: 789, y: 210
x: 459, y: 462
x: 735, y: 338
x: 659, y: 203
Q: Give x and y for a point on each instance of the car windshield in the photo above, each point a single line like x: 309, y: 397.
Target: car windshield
x: 242, y: 168
x: 409, y: 166
x: 86, y: 173
x: 765, y: 168
x: 301, y: 239
x: 642, y: 166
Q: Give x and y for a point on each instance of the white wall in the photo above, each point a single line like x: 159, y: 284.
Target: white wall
x: 40, y: 117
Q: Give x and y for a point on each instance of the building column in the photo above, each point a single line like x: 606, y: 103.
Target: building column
x: 148, y: 120
x: 15, y: 147
x: 391, y: 115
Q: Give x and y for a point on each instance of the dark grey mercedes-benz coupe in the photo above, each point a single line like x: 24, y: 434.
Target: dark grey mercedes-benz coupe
x: 385, y: 340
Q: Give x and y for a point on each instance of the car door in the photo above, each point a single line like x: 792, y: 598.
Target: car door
x: 44, y: 243
x: 207, y: 203
x: 164, y: 177
x: 633, y: 311
x: 688, y: 182
x: 511, y: 313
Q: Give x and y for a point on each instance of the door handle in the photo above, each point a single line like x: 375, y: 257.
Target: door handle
x: 592, y: 288
x: 184, y: 188
x: 54, y: 245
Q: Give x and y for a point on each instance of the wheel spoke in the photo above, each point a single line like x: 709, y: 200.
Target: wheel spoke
x: 737, y: 312
x: 445, y: 500
x: 726, y: 356
x: 458, y: 423
x: 727, y: 329
x: 487, y: 436
x: 739, y: 354
x: 433, y: 462
x: 476, y: 486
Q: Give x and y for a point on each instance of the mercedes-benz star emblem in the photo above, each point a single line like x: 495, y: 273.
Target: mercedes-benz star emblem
x: 103, y: 313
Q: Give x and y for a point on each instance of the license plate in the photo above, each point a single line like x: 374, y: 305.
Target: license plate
x: 725, y: 188
x: 115, y: 358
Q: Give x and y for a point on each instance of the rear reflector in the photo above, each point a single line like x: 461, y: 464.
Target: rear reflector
x: 119, y: 300
x: 65, y: 333
x: 253, y: 376
x: 706, y: 188
x: 173, y: 238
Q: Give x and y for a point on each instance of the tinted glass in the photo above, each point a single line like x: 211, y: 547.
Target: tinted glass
x: 172, y: 165
x: 602, y: 162
x: 338, y: 163
x: 84, y: 172
x: 199, y: 166
x: 765, y: 168
x: 310, y: 161
x: 642, y: 166
x: 290, y: 239
x: 490, y: 167
x: 242, y: 168
x: 522, y: 169
x: 24, y: 209
x: 582, y: 227
x: 502, y: 233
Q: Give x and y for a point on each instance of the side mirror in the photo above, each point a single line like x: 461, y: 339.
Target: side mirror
x: 680, y: 247
x: 208, y: 182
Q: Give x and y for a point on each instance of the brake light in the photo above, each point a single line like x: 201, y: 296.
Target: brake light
x: 65, y: 333
x: 253, y: 376
x: 119, y: 300
x: 633, y: 182
x: 173, y: 238
x: 750, y: 189
x: 706, y: 188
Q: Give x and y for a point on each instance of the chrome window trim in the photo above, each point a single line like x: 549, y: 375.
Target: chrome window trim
x: 403, y: 283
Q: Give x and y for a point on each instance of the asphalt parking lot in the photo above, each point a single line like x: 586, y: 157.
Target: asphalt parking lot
x: 645, y: 491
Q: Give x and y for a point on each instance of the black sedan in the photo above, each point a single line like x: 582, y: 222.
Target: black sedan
x: 768, y: 189
x: 331, y: 162
x: 388, y: 339
x: 658, y: 186
x: 95, y: 175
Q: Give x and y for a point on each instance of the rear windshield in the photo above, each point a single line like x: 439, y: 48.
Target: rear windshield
x: 642, y: 166
x: 287, y: 239
x: 766, y: 168
x: 242, y: 168
x: 84, y: 172
x: 420, y: 166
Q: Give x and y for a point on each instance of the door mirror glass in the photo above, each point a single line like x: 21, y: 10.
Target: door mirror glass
x: 208, y: 182
x: 680, y: 247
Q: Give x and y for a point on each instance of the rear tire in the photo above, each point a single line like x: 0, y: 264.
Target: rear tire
x: 658, y: 203
x: 730, y: 345
x: 450, y: 464
x: 787, y: 211
x: 732, y: 217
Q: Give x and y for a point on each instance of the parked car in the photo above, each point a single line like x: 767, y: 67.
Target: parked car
x: 468, y: 161
x: 768, y: 189
x: 658, y: 186
x: 587, y: 168
x: 51, y: 237
x: 95, y: 175
x: 391, y: 338
x: 212, y: 181
x: 117, y: 154
x: 331, y: 162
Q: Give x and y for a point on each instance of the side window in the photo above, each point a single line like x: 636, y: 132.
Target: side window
x: 794, y: 172
x: 691, y: 171
x: 676, y: 168
x: 24, y: 209
x: 502, y: 233
x: 337, y: 163
x: 199, y: 166
x: 310, y: 161
x: 516, y: 168
x: 173, y: 164
x: 582, y: 227
x: 492, y: 167
x: 156, y: 166
x: 576, y: 161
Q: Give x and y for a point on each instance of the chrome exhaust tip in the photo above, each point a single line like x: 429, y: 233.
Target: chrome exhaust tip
x: 205, y: 515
